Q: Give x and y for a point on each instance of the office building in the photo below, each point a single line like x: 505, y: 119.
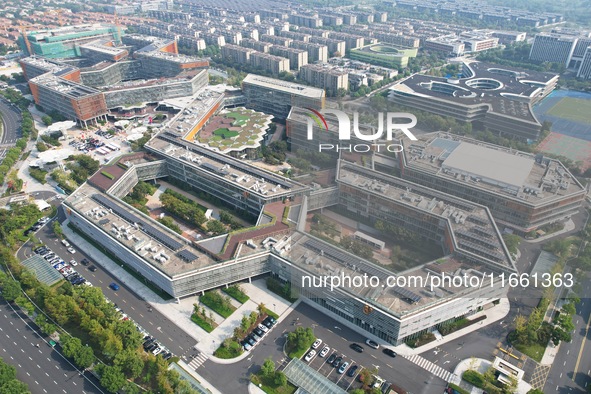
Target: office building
x: 522, y: 190
x: 276, y: 97
x: 496, y: 97
x: 552, y: 47
x: 64, y: 42
x: 585, y: 68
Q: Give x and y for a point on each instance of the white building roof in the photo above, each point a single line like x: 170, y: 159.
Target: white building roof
x: 489, y: 164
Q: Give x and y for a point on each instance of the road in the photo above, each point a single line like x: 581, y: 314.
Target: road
x: 396, y: 370
x: 11, y: 119
x: 158, y: 325
x: 574, y: 356
x: 43, y: 368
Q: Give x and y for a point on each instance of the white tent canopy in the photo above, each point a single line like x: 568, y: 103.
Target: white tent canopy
x: 61, y: 126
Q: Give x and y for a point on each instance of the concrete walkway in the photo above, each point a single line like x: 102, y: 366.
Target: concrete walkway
x: 569, y: 225
x: 498, y: 312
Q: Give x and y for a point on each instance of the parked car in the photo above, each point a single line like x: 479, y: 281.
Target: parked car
x: 352, y: 370
x: 331, y: 358
x: 250, y: 341
x: 357, y: 347
x: 310, y: 355
x: 317, y: 343
x: 337, y: 362
x: 258, y: 331
x: 372, y: 344
x: 343, y: 367
x: 263, y: 328
x: 324, y: 351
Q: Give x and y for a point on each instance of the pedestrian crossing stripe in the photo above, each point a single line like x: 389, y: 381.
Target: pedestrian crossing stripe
x: 198, y: 361
x: 430, y: 367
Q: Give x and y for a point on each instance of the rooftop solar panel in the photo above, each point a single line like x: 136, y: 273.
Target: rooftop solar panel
x: 407, y: 294
x: 164, y: 238
x: 188, y: 256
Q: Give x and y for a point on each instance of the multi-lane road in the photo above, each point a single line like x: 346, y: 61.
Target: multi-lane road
x: 39, y: 365
x: 11, y: 119
x: 571, y: 369
x: 158, y: 325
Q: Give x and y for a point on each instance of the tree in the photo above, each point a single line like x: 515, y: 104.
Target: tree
x: 253, y: 317
x: 268, y: 367
x: 14, y: 387
x: 85, y: 357
x: 280, y: 379
x: 46, y: 119
x: 535, y: 391
x: 7, y: 372
x: 57, y: 229
x: 112, y: 378
x: 71, y: 346
x: 245, y: 323
x: 261, y: 308
x: 11, y: 290
x: 130, y: 363
x: 357, y: 391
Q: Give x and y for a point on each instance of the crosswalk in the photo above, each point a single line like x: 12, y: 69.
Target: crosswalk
x: 198, y: 361
x: 429, y: 366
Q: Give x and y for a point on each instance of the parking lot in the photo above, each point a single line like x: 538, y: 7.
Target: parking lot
x: 131, y: 306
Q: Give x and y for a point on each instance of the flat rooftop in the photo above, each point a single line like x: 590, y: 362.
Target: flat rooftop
x: 472, y: 225
x: 283, y: 86
x: 499, y: 166
x: 63, y: 86
x: 47, y: 65
x: 508, y: 172
x: 140, y: 83
x: 173, y: 57
x: 100, y: 46
x: 160, y: 247
x: 322, y: 259
x: 506, y: 90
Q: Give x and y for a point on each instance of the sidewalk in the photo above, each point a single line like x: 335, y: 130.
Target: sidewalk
x: 493, y: 315
x: 569, y: 225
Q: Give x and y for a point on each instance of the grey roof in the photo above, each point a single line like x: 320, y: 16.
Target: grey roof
x: 493, y: 165
x: 301, y: 375
x: 42, y: 270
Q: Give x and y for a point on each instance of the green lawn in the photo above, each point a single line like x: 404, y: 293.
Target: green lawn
x: 574, y: 109
x: 201, y: 322
x: 535, y: 350
x: 225, y: 133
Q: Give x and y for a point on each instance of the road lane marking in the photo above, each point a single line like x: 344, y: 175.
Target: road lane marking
x: 582, y: 347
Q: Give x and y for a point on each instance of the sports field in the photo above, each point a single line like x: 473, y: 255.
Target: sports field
x: 575, y: 149
x: 575, y: 109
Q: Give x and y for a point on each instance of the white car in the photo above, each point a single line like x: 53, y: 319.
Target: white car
x: 157, y: 351
x: 87, y: 283
x: 372, y: 344
x: 73, y: 263
x: 310, y: 355
x: 317, y: 343
x: 71, y: 250
x: 324, y: 351
x: 65, y: 243
x: 263, y: 328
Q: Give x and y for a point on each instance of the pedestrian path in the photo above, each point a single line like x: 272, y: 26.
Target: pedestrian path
x: 429, y: 366
x: 198, y: 361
